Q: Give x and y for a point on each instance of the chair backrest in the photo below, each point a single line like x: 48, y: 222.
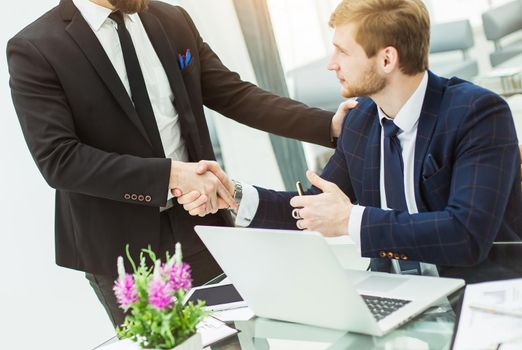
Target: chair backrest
x: 451, y: 36
x: 503, y: 20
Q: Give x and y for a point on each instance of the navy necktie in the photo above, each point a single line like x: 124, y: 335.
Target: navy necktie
x: 394, y: 188
x: 140, y: 96
x: 393, y: 167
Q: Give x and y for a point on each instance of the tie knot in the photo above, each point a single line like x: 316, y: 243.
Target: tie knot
x: 117, y: 17
x: 389, y: 127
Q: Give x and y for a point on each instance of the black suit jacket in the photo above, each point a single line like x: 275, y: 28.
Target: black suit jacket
x: 89, y: 143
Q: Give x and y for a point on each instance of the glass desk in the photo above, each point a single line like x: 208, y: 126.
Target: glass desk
x: 432, y: 330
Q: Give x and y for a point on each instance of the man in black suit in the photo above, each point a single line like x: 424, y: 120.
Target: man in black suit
x: 110, y: 97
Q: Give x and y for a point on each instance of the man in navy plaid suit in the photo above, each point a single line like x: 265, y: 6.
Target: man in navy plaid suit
x: 426, y: 174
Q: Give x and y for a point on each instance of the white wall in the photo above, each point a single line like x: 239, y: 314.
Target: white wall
x: 43, y: 306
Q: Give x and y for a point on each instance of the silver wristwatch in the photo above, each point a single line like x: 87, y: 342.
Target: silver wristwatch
x: 238, y: 194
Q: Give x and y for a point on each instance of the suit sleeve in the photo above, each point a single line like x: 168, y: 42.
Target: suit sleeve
x: 224, y: 92
x: 483, y: 174
x: 64, y: 161
x: 275, y: 211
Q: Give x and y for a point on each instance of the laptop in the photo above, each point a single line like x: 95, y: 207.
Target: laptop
x: 294, y: 276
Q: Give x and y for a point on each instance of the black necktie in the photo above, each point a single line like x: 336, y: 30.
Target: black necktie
x: 394, y: 188
x: 139, y: 93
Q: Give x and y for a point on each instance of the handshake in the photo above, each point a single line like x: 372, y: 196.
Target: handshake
x: 202, y: 188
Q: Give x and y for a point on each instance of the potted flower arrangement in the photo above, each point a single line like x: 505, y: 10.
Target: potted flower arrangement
x: 153, y: 297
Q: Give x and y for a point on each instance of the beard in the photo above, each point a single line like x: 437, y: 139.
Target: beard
x: 129, y: 6
x: 370, y: 84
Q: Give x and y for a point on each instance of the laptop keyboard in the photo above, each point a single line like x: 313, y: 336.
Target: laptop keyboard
x: 382, y: 307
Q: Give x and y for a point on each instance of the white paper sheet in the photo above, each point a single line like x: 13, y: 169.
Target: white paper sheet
x: 480, y: 329
x: 239, y: 314
x: 213, y: 330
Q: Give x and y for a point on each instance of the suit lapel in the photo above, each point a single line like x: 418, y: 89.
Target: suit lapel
x: 427, y: 122
x: 371, y: 194
x: 167, y: 53
x: 82, y: 34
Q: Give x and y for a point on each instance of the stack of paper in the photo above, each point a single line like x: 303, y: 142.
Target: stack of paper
x: 213, y: 330
x: 491, y: 316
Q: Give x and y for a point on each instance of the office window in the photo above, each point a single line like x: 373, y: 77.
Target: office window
x: 301, y: 30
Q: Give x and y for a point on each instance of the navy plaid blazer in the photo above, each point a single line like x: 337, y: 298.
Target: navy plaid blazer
x: 467, y: 184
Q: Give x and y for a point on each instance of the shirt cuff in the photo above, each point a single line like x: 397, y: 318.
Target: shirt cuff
x: 354, y: 225
x: 248, y: 206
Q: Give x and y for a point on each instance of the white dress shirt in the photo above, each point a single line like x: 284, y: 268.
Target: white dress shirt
x: 407, y: 120
x: 156, y: 81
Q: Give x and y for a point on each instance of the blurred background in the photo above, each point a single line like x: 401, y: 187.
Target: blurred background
x: 282, y: 45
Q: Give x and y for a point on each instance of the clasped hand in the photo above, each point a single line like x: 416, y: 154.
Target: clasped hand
x: 202, y: 187
x: 327, y: 212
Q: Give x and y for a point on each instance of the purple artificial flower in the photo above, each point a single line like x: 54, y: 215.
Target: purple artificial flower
x: 177, y: 272
x: 124, y: 287
x: 160, y: 291
x: 178, y: 276
x: 160, y: 294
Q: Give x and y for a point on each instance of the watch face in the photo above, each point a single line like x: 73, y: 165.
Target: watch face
x: 238, y: 191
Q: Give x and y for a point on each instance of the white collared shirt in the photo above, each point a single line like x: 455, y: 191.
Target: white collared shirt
x: 407, y: 120
x: 156, y: 81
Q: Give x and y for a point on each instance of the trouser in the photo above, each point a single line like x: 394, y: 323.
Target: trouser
x: 202, y: 264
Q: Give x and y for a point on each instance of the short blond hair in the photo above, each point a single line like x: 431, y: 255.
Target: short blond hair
x: 403, y: 24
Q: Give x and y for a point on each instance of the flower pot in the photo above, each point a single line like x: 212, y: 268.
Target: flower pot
x: 192, y: 343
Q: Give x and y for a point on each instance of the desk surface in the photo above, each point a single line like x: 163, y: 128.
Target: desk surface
x: 431, y: 330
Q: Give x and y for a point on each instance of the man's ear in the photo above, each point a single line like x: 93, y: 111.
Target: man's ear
x: 389, y: 59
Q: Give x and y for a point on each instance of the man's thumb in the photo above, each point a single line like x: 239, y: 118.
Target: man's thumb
x: 202, y: 168
x: 318, y: 182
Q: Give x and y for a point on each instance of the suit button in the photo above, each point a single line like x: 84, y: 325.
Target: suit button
x: 382, y: 254
x: 148, y: 198
x: 134, y: 197
x: 127, y: 196
x: 141, y: 198
x: 404, y: 257
x: 396, y: 256
x: 390, y: 255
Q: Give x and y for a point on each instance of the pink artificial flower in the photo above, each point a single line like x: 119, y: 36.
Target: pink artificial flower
x: 160, y: 291
x: 125, y: 291
x: 178, y: 276
x: 124, y: 287
x: 177, y: 272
